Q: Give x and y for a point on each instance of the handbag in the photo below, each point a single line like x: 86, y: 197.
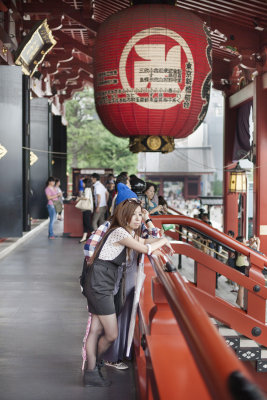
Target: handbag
x: 58, y: 206
x: 84, y: 204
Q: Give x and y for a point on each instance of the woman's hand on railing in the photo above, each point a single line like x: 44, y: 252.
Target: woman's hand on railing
x: 168, y: 250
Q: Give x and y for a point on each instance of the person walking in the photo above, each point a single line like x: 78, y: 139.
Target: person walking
x: 101, y: 278
x: 51, y: 195
x: 101, y: 198
x: 87, y: 214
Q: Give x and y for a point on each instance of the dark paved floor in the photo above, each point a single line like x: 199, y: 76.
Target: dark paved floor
x: 42, y: 323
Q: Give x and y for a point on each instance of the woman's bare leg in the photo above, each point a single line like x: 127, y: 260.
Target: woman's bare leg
x: 95, y: 332
x: 105, y: 325
x: 110, y: 326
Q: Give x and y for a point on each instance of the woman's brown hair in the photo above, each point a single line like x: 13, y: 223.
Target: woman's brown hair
x: 121, y: 218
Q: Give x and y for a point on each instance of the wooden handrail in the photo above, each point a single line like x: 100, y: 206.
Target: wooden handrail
x: 250, y: 322
x: 215, y: 360
x: 158, y: 220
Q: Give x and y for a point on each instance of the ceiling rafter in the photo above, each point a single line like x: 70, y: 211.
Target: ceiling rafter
x: 69, y: 42
x: 232, y: 7
x: 246, y: 20
x: 49, y: 8
x: 75, y: 22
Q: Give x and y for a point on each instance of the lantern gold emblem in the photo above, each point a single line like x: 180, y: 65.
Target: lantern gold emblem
x: 154, y: 142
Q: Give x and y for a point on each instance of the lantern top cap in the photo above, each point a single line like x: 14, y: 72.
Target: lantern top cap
x: 238, y: 168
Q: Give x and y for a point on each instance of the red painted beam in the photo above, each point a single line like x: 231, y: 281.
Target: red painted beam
x: 51, y: 7
x: 260, y: 170
x: 3, y: 8
x: 69, y: 43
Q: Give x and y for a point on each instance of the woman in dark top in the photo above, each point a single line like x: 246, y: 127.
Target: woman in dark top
x: 150, y: 205
x: 101, y: 277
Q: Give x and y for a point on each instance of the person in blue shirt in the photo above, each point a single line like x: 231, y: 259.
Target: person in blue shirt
x: 81, y: 187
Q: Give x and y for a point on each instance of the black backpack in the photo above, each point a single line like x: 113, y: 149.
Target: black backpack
x: 83, y: 276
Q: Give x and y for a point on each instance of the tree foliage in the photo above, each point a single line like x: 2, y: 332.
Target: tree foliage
x: 90, y: 144
x: 217, y: 186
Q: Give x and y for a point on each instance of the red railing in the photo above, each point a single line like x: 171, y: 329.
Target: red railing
x: 182, y: 354
x: 250, y: 322
x: 215, y: 360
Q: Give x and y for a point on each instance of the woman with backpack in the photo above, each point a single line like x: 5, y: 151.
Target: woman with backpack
x: 101, y: 277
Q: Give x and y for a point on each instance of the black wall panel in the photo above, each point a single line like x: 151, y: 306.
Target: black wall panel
x: 60, y: 146
x: 26, y: 152
x: 11, y: 198
x: 40, y: 133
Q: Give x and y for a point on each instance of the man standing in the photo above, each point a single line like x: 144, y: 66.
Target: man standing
x: 101, y: 196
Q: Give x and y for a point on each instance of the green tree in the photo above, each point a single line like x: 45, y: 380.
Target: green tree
x: 217, y: 187
x: 90, y: 144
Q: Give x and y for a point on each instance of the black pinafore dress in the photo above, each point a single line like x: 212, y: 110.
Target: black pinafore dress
x: 100, y: 282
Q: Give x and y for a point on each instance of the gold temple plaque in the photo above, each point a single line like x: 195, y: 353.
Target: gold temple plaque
x: 34, y: 48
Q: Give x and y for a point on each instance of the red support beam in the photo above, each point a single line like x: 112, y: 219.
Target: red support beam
x: 260, y: 171
x: 230, y: 199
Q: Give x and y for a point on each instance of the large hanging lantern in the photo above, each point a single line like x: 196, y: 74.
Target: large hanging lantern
x: 152, y: 68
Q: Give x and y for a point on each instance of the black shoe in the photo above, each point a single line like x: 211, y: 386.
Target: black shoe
x: 95, y: 378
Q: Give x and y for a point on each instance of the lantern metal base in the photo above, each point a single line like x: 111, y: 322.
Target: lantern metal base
x: 163, y: 144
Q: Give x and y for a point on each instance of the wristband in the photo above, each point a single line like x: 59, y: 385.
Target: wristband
x: 149, y: 250
x: 148, y: 220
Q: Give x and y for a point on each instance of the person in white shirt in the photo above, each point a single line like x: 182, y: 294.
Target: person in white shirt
x: 87, y: 214
x: 101, y: 198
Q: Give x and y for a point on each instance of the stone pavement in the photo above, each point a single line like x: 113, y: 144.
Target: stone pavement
x: 43, y: 317
x: 42, y: 322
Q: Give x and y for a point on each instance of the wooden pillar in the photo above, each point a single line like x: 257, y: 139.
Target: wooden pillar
x: 230, y: 200
x: 260, y: 172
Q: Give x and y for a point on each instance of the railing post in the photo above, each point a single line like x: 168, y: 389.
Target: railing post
x: 180, y: 255
x: 205, y: 278
x: 256, y: 306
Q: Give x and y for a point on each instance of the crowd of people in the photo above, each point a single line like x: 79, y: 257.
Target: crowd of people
x: 105, y: 197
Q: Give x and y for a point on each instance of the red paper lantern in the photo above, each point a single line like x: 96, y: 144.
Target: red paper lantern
x: 152, y: 68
